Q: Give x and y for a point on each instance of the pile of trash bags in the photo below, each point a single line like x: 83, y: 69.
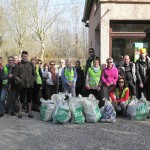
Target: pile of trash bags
x: 138, y: 109
x: 63, y: 108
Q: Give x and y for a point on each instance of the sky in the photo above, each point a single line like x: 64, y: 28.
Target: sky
x: 55, y: 4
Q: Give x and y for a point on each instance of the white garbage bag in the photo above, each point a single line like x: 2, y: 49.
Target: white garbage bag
x: 76, y: 110
x: 60, y: 96
x: 109, y: 114
x: 62, y: 112
x: 46, y: 110
x: 138, y: 109
x: 91, y: 109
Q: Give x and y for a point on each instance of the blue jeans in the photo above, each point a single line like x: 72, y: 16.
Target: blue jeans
x: 11, y: 97
x: 70, y: 89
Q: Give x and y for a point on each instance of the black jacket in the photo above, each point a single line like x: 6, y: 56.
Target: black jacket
x: 89, y: 63
x: 133, y: 71
x: 25, y: 74
x: 141, y: 69
x: 80, y: 78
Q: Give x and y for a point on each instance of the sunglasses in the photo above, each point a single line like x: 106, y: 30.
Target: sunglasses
x: 52, y: 64
x: 109, y: 62
x: 121, y: 82
x: 11, y: 60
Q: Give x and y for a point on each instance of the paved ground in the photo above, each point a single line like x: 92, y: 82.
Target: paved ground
x: 33, y: 134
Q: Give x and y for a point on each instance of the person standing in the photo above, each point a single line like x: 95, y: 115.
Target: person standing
x: 25, y: 75
x: 109, y: 77
x: 90, y: 60
x: 37, y: 85
x: 69, y: 78
x: 44, y: 76
x: 62, y: 65
x: 51, y: 77
x: 128, y: 72
x: 8, y: 88
x: 142, y: 64
x: 93, y: 81
x: 80, y: 78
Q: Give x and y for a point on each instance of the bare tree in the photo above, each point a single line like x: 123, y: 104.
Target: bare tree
x: 17, y: 21
x: 41, y: 22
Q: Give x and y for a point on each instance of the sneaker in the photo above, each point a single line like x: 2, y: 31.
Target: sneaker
x: 19, y: 115
x: 30, y: 115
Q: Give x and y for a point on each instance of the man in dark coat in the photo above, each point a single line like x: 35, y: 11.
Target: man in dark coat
x: 128, y: 72
x: 25, y: 76
x: 142, y: 64
x: 90, y: 60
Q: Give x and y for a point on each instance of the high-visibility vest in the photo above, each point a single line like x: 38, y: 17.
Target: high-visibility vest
x: 69, y: 74
x: 38, y: 77
x: 123, y: 93
x: 5, y: 73
x: 94, y: 77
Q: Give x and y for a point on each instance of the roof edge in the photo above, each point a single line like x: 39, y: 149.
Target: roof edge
x: 87, y: 10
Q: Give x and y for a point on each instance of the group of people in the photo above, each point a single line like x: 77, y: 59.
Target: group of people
x: 24, y: 82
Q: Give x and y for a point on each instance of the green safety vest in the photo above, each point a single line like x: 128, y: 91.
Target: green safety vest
x: 38, y: 77
x: 5, y: 73
x: 69, y: 74
x: 94, y: 77
x: 123, y: 93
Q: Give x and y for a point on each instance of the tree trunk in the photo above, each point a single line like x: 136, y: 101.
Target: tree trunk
x: 20, y: 49
x: 42, y: 50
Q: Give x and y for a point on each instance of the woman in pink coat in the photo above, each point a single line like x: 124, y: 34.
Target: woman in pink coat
x: 109, y: 77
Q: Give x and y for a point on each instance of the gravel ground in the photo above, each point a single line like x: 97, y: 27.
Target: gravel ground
x: 33, y: 134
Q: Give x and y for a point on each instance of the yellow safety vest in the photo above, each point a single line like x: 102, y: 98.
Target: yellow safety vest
x: 94, y: 77
x: 38, y: 77
x: 69, y: 74
x: 123, y: 93
x: 5, y: 73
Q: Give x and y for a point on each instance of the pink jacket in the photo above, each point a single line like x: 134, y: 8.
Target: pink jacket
x: 110, y: 75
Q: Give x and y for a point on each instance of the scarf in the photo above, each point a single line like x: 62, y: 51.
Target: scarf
x: 96, y: 69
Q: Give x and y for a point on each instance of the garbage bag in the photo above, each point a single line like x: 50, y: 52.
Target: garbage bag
x: 108, y: 112
x: 91, y: 109
x: 46, y: 110
x: 59, y: 97
x: 138, y: 109
x: 76, y: 110
x: 62, y: 112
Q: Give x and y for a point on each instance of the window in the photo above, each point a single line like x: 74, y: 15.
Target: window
x: 125, y: 36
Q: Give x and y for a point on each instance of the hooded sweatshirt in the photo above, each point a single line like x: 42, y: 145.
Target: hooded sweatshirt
x: 110, y: 75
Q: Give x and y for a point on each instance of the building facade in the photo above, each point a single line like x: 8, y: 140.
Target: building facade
x: 118, y: 27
